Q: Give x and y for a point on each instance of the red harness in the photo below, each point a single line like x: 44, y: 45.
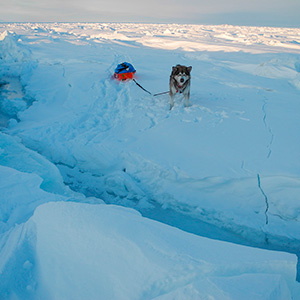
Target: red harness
x: 180, y: 88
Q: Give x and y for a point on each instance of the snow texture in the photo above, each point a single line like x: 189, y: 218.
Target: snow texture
x: 93, y: 171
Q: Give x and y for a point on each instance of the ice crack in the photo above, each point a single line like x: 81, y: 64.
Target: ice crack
x: 266, y: 199
x: 267, y: 127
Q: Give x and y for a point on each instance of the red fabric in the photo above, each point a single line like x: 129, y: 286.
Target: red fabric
x: 124, y: 76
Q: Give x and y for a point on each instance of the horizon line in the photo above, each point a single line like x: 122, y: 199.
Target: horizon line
x: 150, y: 23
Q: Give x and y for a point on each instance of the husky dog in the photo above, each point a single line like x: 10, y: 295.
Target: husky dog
x: 180, y: 81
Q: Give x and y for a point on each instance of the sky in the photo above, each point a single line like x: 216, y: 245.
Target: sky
x: 282, y: 13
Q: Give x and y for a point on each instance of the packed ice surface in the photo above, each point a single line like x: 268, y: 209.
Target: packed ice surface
x: 227, y: 167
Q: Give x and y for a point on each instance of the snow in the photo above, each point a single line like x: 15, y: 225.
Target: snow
x: 132, y: 257
x: 93, y: 172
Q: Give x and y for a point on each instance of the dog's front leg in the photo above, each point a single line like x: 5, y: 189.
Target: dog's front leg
x: 171, y: 100
x: 187, y: 98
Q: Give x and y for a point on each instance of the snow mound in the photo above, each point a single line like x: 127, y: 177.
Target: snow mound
x: 114, y: 253
x: 10, y: 51
x: 20, y: 195
x: 16, y: 156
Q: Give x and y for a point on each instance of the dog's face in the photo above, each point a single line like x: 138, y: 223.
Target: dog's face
x: 181, y: 74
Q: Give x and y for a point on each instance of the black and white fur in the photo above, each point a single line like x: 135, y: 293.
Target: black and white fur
x: 180, y: 82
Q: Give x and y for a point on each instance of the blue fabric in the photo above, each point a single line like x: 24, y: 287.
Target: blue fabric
x: 124, y: 67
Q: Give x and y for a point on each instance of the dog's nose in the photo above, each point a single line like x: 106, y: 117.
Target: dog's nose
x: 181, y: 79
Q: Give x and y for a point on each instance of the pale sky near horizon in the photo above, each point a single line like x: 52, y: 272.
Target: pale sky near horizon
x: 235, y: 12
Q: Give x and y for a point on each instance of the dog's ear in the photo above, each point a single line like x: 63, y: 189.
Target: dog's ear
x: 189, y: 68
x: 174, y: 69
